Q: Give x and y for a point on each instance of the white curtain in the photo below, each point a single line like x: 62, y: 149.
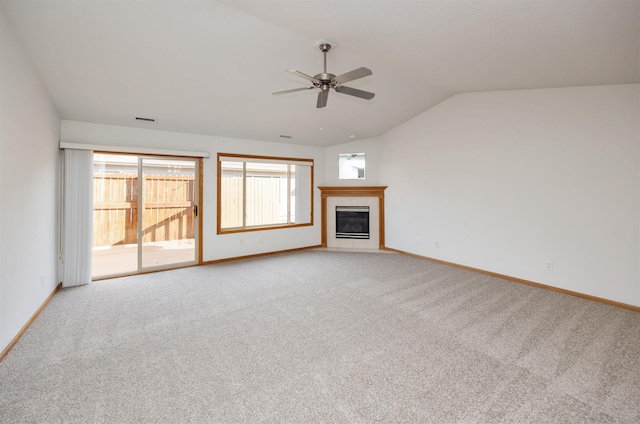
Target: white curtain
x: 78, y: 217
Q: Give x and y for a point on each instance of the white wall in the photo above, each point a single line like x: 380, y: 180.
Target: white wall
x: 29, y: 132
x: 372, y: 162
x: 214, y: 246
x: 508, y: 181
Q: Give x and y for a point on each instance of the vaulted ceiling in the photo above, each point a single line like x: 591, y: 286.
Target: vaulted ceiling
x: 209, y: 67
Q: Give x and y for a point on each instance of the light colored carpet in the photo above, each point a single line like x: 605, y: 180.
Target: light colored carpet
x: 320, y: 336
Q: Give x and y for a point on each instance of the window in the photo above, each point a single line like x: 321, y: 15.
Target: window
x: 259, y: 192
x: 351, y: 166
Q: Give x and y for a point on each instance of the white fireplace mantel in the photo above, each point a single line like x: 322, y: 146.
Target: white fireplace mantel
x: 375, y: 192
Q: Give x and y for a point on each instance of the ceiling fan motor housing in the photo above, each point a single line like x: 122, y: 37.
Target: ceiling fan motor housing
x: 325, y: 78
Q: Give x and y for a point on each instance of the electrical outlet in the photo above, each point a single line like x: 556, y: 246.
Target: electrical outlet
x: 42, y: 280
x: 549, y: 266
x: 437, y: 244
x: 418, y: 240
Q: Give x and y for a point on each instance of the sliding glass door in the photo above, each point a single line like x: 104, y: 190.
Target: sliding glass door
x: 168, y: 212
x: 145, y: 213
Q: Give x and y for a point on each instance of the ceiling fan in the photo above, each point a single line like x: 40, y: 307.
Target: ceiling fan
x: 326, y: 81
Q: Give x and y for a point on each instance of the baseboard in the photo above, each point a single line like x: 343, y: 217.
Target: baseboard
x: 237, y: 258
x: 13, y: 342
x: 521, y: 281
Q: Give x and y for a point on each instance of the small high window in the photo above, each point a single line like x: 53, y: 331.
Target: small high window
x: 351, y: 166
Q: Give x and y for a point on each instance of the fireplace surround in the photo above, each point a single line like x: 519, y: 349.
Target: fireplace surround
x: 352, y: 196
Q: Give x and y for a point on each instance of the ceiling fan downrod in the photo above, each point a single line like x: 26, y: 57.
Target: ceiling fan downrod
x: 324, y: 48
x: 325, y: 78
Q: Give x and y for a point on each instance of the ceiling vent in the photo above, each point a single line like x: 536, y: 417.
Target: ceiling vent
x: 143, y: 119
x: 284, y: 136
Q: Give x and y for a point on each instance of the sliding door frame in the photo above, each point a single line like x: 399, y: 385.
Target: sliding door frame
x: 198, y: 221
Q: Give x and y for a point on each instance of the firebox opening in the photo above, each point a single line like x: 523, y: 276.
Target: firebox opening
x: 352, y: 222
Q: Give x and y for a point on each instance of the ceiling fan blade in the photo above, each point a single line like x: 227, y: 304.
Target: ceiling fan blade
x: 355, y: 92
x: 323, y: 95
x: 353, y: 75
x: 305, y: 76
x: 293, y: 90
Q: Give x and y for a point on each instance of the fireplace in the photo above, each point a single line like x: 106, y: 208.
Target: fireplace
x: 352, y: 222
x: 371, y: 197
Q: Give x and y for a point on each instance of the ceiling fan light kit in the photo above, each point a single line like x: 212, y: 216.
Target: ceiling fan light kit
x: 325, y: 81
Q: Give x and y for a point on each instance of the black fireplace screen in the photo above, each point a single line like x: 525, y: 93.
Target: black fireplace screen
x: 352, y: 222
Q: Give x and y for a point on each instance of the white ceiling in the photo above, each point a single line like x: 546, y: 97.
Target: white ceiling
x: 209, y: 67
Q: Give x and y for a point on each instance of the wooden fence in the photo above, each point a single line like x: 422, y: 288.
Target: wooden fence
x: 168, y: 208
x: 266, y: 204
